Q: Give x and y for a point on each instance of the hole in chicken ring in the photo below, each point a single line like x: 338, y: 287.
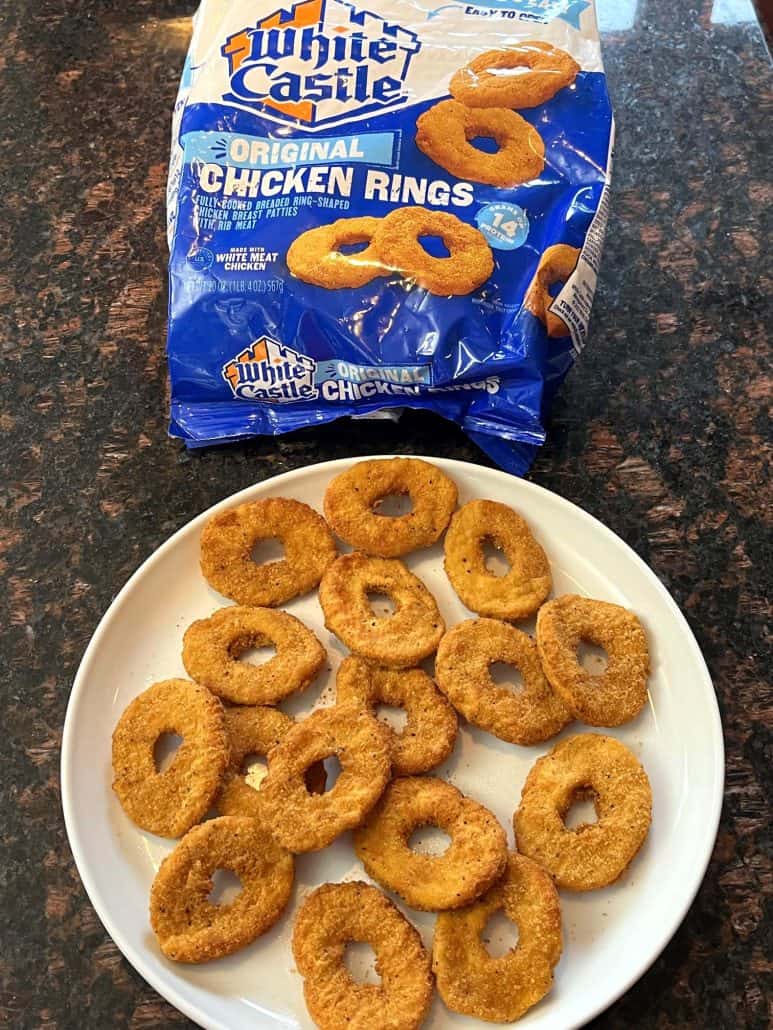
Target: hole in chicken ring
x: 525, y: 75
x: 445, y: 131
x: 352, y: 495
x: 211, y: 650
x: 168, y: 803
x: 469, y: 262
x: 303, y: 821
x: 337, y: 914
x: 555, y: 266
x: 500, y: 990
x: 316, y: 256
x: 229, y: 537
x: 188, y: 925
x: 518, y: 593
x: 253, y: 732
x: 400, y: 640
x: 429, y: 734
x: 619, y: 693
x: 591, y: 855
x: 462, y: 669
x: 473, y: 861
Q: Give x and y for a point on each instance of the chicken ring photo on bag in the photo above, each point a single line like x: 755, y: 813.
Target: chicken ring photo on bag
x: 317, y: 257
x: 338, y: 914
x: 555, y: 266
x: 524, y: 75
x: 445, y: 133
x: 468, y: 265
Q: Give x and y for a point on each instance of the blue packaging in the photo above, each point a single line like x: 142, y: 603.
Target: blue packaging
x: 294, y: 117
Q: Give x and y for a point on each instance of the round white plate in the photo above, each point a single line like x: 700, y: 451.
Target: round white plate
x: 610, y: 936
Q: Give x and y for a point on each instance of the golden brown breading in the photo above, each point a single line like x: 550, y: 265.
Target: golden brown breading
x: 497, y: 78
x: 316, y: 258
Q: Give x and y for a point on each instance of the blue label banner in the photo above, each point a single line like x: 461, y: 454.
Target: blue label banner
x: 244, y: 151
x: 534, y: 10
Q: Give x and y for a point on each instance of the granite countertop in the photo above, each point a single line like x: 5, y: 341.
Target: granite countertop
x: 660, y: 432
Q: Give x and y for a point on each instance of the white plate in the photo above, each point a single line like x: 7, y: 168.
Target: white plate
x: 610, y: 936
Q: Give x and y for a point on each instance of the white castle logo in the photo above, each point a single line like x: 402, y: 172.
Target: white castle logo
x: 318, y: 62
x: 269, y: 371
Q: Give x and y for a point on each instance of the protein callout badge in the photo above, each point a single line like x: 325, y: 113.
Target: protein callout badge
x: 319, y: 62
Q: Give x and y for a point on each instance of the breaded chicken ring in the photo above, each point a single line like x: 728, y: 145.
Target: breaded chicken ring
x: 316, y: 256
x: 428, y: 736
x: 352, y: 496
x: 229, y: 537
x: 337, y: 914
x: 303, y: 821
x: 400, y: 640
x: 497, y: 78
x: 169, y: 803
x: 555, y: 266
x: 517, y: 594
x: 619, y: 693
x: 596, y: 854
x: 500, y: 990
x: 445, y: 133
x: 254, y: 732
x: 190, y: 927
x: 473, y: 861
x: 211, y: 650
x: 465, y: 654
x: 469, y: 262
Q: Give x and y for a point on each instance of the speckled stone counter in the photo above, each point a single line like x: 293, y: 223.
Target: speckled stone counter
x: 660, y: 432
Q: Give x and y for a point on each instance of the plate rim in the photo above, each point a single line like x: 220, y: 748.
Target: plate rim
x: 135, y: 956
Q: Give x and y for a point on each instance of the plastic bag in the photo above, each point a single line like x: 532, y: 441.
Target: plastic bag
x: 294, y: 117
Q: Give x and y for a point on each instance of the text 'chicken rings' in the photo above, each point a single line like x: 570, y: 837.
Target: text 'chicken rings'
x: 352, y: 497
x: 520, y: 591
x: 525, y: 75
x: 445, y: 133
x: 192, y: 928
x: 211, y: 650
x: 316, y: 256
x: 170, y: 802
x: 468, y: 265
x: 586, y: 767
x: 229, y: 537
x: 398, y: 640
x: 304, y: 821
x: 470, y: 980
x: 473, y: 861
x: 338, y: 914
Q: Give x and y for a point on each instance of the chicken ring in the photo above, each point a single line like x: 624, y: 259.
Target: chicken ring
x: 316, y: 256
x: 255, y: 731
x: 429, y: 733
x: 473, y: 861
x: 462, y: 665
x: 497, y: 78
x: 168, y: 803
x: 190, y: 927
x: 445, y: 133
x: 211, y: 650
x: 469, y: 262
x: 229, y: 537
x: 500, y: 990
x: 517, y: 594
x: 303, y: 821
x: 351, y: 499
x: 402, y: 639
x: 588, y: 767
x: 619, y: 693
x: 555, y: 266
x: 337, y: 914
